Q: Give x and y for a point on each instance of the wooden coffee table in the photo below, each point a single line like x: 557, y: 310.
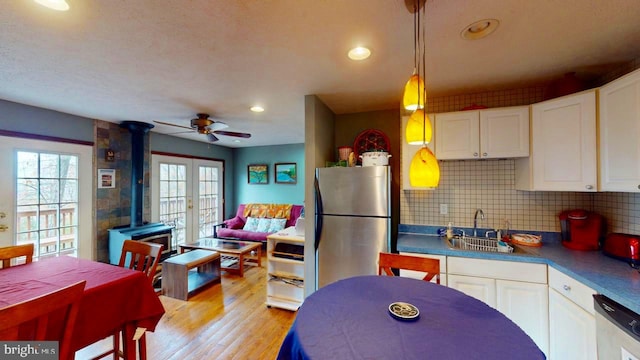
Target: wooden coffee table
x: 234, y: 254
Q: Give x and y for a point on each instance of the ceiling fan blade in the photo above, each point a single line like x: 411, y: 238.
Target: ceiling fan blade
x: 233, y: 133
x: 218, y: 125
x: 170, y: 124
x: 212, y: 138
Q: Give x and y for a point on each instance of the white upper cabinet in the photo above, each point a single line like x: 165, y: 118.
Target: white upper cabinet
x: 504, y: 132
x: 408, y: 151
x: 563, y: 145
x: 458, y: 135
x: 619, y: 131
x: 483, y: 134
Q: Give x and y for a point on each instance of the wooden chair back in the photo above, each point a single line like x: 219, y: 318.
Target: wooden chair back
x: 37, y: 311
x: 11, y: 252
x: 142, y: 256
x: 388, y: 261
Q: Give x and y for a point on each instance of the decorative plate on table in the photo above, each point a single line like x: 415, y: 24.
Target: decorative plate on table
x: 370, y: 140
x: 403, y: 311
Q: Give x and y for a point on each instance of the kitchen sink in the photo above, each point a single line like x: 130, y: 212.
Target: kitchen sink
x: 471, y: 243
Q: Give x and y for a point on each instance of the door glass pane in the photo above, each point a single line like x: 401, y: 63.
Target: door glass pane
x: 208, y: 200
x: 173, y: 200
x: 47, y: 202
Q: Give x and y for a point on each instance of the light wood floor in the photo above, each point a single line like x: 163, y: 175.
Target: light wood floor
x: 227, y: 321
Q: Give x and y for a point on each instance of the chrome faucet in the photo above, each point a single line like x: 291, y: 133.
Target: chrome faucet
x: 475, y: 221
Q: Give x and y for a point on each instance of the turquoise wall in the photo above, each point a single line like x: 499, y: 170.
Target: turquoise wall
x: 270, y: 192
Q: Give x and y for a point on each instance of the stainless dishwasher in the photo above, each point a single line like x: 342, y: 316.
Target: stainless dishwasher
x: 617, y: 330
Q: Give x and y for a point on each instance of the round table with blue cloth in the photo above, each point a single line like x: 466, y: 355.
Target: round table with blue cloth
x: 349, y: 319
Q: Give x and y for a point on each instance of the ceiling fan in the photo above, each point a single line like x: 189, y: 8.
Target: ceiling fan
x: 203, y: 125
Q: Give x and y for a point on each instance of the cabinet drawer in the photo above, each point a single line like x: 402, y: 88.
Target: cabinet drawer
x: 572, y: 289
x: 497, y: 269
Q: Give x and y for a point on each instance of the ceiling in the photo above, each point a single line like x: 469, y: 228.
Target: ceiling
x: 167, y: 60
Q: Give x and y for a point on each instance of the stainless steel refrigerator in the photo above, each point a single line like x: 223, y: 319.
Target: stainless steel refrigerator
x: 353, y: 221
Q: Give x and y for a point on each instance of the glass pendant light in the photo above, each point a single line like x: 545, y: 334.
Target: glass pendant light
x: 418, y: 129
x: 424, y: 170
x: 413, y: 93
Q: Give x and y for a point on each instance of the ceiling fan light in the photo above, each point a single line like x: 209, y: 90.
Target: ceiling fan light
x: 424, y: 170
x: 419, y: 130
x: 413, y: 97
x: 59, y: 5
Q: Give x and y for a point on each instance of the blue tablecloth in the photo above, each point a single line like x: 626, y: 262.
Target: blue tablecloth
x: 349, y: 319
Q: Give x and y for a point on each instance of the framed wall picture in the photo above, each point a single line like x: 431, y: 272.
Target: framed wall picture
x: 106, y: 178
x: 286, y: 173
x: 258, y: 174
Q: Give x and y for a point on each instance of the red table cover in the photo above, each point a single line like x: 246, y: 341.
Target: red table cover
x: 113, y: 296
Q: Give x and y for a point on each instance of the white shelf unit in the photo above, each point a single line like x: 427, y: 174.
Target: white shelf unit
x: 285, y: 277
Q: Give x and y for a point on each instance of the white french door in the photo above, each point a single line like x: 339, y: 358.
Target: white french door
x: 187, y: 194
x: 46, y: 197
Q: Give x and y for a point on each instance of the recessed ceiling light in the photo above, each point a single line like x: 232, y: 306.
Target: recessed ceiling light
x: 60, y: 5
x: 257, y: 108
x: 480, y: 29
x: 236, y: 141
x: 359, y: 53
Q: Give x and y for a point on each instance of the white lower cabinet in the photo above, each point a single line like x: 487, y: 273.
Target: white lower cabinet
x: 518, y: 290
x: 483, y: 289
x: 572, y: 325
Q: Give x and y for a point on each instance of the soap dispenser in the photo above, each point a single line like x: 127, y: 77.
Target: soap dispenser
x: 449, y: 231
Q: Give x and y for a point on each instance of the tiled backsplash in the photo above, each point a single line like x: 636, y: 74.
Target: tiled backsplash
x: 489, y: 184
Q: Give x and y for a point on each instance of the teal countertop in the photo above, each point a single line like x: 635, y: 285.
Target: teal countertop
x: 610, y: 277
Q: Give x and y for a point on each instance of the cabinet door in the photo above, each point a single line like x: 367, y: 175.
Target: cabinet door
x: 527, y: 305
x: 504, y: 132
x: 482, y: 289
x: 408, y: 151
x: 564, y: 143
x: 572, y: 331
x: 458, y: 135
x: 619, y: 131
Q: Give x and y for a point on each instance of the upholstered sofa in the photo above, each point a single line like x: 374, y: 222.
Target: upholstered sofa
x: 278, y: 216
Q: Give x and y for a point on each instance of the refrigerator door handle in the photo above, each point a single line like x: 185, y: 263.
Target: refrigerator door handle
x: 318, y: 213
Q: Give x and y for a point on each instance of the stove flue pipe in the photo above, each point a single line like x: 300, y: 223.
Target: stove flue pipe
x: 138, y: 131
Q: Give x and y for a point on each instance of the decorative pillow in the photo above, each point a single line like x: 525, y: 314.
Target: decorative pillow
x: 263, y: 225
x: 277, y: 225
x: 235, y: 223
x: 251, y: 224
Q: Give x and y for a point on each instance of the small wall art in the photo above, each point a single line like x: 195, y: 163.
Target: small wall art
x: 286, y: 173
x: 106, y: 178
x: 258, y: 174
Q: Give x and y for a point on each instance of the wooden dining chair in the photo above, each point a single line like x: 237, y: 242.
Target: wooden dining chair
x: 141, y: 256
x: 37, y: 312
x: 8, y: 253
x: 388, y: 261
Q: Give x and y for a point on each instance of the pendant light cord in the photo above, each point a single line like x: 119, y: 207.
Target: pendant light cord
x: 424, y: 78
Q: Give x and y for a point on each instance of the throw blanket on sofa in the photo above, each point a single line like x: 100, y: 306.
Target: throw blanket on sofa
x: 280, y: 211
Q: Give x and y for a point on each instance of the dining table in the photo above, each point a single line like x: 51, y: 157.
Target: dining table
x: 115, y: 298
x: 352, y: 319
